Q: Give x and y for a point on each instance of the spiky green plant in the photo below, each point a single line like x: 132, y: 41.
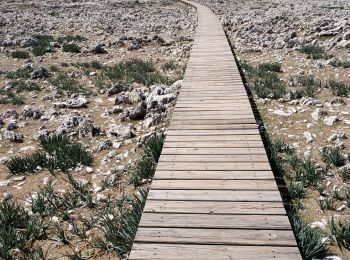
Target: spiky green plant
x: 65, y: 83
x: 21, y: 85
x: 21, y: 73
x: 340, y: 233
x: 332, y: 156
x: 270, y: 66
x: 326, y: 203
x: 63, y: 154
x: 339, y: 88
x: 27, y: 163
x: 311, y: 241
x: 70, y: 38
x: 71, y: 47
x: 18, y: 229
x: 42, y: 44
x: 315, y: 52
x: 61, y: 234
x: 345, y: 174
x: 118, y: 233
x: 153, y: 147
x: 340, y: 63
x: 20, y: 55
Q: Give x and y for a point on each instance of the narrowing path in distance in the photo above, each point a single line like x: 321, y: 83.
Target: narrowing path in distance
x: 214, y: 195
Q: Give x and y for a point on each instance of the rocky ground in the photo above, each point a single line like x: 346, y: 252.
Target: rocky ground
x: 104, y: 74
x: 296, y: 58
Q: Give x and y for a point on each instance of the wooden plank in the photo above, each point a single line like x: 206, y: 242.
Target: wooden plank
x: 177, y: 126
x: 217, y: 236
x: 212, y: 252
x: 216, y: 207
x: 214, y: 184
x: 213, y: 166
x: 215, y: 121
x: 222, y: 144
x: 216, y: 132
x: 213, y: 158
x: 215, y: 195
x: 207, y: 151
x: 212, y: 138
x: 213, y: 175
x: 266, y: 222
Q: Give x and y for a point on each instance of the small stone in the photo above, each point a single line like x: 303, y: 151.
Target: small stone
x: 89, y: 169
x: 316, y: 114
x: 341, y: 208
x: 318, y: 224
x: 7, y: 196
x: 308, y: 136
x: 330, y: 120
x: 19, y: 178
x: 93, y: 73
x: 5, y: 183
x: 55, y: 219
x: 101, y: 197
x: 46, y: 180
x: 98, y: 189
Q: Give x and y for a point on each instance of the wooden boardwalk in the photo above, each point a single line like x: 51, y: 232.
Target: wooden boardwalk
x: 214, y: 195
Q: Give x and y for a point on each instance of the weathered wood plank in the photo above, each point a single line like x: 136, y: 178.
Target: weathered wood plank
x: 212, y: 138
x: 216, y: 150
x: 213, y: 158
x: 213, y: 166
x: 216, y: 236
x: 213, y: 175
x: 213, y: 144
x: 266, y: 222
x: 205, y: 252
x: 214, y: 184
x: 215, y: 195
x: 216, y: 207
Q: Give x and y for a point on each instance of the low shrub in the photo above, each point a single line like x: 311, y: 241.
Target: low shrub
x: 20, y: 55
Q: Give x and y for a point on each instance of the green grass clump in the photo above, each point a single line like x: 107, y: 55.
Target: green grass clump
x: 270, y: 66
x: 71, y: 47
x: 20, y: 55
x: 70, y: 38
x: 340, y: 233
x: 309, y: 85
x: 345, y: 174
x: 339, y: 63
x: 315, y: 52
x: 169, y: 66
x: 332, y: 156
x: 21, y: 85
x: 339, y: 88
x: 9, y: 97
x: 59, y: 153
x: 42, y: 44
x: 18, y: 230
x: 21, y: 73
x: 64, y: 155
x: 266, y: 82
x: 118, y: 233
x: 27, y: 163
x: 63, y: 82
x: 135, y: 70
x: 311, y: 241
x: 145, y: 167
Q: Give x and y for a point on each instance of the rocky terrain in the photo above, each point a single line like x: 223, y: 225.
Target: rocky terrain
x: 83, y: 86
x: 295, y: 56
